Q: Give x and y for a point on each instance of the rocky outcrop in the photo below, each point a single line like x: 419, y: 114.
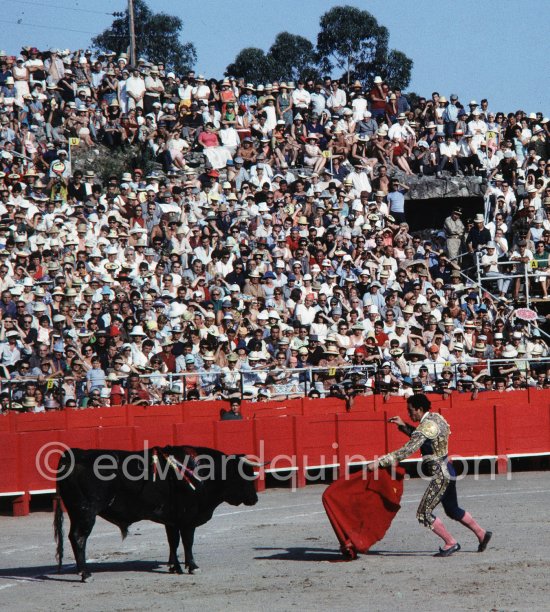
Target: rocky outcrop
x: 430, y: 187
x: 106, y: 162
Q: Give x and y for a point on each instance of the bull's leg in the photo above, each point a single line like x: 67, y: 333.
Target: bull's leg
x: 173, y: 535
x: 187, y: 537
x: 78, y: 535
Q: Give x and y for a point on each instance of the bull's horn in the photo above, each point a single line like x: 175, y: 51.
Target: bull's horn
x: 253, y: 463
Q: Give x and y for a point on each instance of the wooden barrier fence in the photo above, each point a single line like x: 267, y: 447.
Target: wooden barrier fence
x: 296, y: 435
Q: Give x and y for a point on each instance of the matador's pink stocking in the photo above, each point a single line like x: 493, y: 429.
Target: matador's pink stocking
x: 439, y: 529
x: 469, y: 521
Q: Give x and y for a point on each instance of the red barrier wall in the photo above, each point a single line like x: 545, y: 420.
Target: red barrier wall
x: 9, y: 449
x: 254, y: 410
x: 474, y: 425
x: 296, y: 435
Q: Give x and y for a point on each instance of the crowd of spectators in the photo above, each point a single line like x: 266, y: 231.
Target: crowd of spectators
x: 284, y: 265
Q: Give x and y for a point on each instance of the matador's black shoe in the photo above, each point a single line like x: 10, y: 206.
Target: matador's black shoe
x: 447, y: 552
x: 486, y: 539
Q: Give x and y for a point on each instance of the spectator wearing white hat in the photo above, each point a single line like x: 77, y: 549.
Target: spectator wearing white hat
x: 201, y: 91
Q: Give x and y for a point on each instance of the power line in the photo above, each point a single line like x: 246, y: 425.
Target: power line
x: 64, y: 8
x: 34, y: 25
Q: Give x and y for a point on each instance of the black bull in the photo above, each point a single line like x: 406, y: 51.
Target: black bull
x: 179, y: 487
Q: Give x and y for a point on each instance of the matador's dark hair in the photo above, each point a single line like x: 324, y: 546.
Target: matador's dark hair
x: 419, y: 401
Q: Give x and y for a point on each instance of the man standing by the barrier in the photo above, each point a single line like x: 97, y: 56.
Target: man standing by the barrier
x: 431, y: 437
x: 454, y: 231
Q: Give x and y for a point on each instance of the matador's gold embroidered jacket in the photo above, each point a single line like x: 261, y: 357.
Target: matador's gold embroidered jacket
x: 431, y: 436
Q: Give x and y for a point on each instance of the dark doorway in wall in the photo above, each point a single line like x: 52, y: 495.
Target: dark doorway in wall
x: 432, y: 212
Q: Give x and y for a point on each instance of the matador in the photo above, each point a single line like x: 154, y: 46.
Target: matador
x: 431, y: 436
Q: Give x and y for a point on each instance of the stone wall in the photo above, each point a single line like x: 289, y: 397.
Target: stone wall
x: 429, y: 188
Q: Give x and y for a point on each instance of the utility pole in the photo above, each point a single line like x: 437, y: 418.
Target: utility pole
x: 132, y: 33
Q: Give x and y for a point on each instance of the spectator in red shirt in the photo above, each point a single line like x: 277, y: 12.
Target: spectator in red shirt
x: 377, y: 97
x: 135, y: 392
x: 167, y: 355
x: 382, y: 339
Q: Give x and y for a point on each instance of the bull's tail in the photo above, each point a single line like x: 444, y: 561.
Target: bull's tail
x: 58, y: 530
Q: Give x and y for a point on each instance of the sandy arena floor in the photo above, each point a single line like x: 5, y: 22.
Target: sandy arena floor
x: 283, y: 555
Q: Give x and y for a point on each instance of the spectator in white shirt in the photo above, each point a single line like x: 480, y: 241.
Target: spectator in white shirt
x: 448, y: 153
x: 336, y: 102
x: 401, y: 130
x: 301, y: 98
x: 135, y: 89
x: 318, y: 100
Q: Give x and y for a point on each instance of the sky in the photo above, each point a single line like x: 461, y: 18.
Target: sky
x: 475, y: 48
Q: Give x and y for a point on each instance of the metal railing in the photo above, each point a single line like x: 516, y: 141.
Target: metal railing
x: 525, y: 276
x: 297, y: 381
x: 337, y: 381
x: 314, y: 377
x: 483, y: 281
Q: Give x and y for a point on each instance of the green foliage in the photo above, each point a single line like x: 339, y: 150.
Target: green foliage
x: 350, y: 40
x: 157, y: 38
x: 292, y: 57
x: 412, y: 97
x: 353, y: 41
x: 251, y: 64
x: 397, y: 69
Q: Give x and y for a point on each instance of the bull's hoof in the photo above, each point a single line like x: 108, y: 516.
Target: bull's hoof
x: 85, y: 577
x: 192, y: 568
x: 175, y: 569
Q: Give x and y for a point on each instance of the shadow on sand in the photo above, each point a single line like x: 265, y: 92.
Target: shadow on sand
x: 48, y: 573
x: 307, y: 553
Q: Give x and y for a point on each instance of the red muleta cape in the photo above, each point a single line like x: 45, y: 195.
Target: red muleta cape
x: 361, y: 509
